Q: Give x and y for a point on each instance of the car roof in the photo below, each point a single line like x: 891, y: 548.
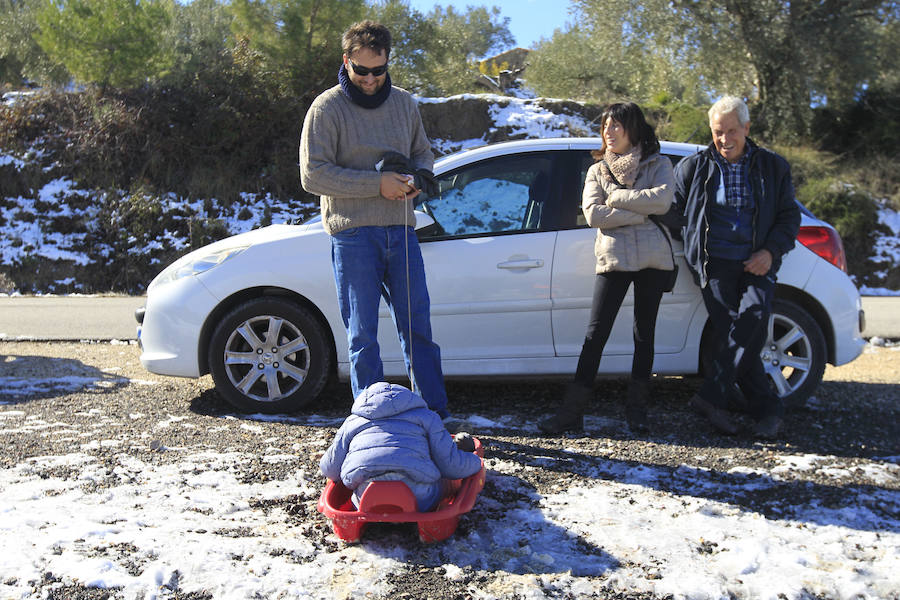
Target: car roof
x: 542, y: 145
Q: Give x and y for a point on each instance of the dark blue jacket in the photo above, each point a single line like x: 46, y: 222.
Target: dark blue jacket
x: 776, y: 220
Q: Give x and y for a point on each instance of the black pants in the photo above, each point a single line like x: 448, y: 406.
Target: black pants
x: 609, y: 292
x: 739, y: 305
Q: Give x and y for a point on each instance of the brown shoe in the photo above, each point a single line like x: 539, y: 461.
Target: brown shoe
x: 714, y: 415
x: 768, y: 427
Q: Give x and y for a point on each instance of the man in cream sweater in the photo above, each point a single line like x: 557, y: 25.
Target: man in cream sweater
x: 369, y: 212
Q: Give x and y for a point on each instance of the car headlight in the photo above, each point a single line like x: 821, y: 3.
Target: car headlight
x: 194, y: 264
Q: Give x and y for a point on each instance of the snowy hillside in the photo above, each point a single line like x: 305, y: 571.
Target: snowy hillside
x: 62, y: 239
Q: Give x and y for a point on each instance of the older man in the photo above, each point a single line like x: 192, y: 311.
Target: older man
x: 353, y: 136
x: 737, y: 200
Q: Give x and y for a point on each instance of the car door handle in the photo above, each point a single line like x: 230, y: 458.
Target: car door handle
x: 527, y: 263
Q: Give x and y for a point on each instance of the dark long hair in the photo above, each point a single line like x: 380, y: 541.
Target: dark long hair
x: 639, y: 131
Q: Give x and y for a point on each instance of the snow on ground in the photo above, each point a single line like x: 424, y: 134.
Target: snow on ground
x: 197, y: 525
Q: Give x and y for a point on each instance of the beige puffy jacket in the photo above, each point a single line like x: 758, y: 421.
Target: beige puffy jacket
x: 627, y: 240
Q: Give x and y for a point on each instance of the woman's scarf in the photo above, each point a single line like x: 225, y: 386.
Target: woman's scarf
x: 357, y: 96
x: 621, y: 168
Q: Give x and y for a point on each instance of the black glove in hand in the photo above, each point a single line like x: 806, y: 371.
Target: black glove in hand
x: 394, y: 161
x: 425, y: 182
x: 464, y: 441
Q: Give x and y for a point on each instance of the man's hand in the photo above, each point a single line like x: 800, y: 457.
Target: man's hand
x: 759, y: 262
x: 395, y: 186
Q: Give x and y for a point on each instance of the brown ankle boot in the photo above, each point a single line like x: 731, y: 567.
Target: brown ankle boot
x: 570, y: 416
x: 636, y: 406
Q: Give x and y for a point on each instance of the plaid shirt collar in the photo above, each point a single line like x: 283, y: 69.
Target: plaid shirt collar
x: 737, y: 184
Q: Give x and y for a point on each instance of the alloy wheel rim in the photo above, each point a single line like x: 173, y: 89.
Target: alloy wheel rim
x: 787, y: 354
x: 266, y: 358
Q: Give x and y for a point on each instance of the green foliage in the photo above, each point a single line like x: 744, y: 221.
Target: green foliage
x: 437, y: 54
x: 782, y: 55
x: 198, y: 38
x: 798, y: 50
x: 21, y: 58
x: 216, y: 138
x: 869, y: 125
x: 108, y: 42
x: 620, y: 49
x: 298, y: 42
x: 809, y: 165
x: 678, y: 121
x: 853, y: 213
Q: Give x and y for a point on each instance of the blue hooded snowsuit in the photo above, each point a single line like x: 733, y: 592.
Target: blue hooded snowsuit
x: 391, y: 435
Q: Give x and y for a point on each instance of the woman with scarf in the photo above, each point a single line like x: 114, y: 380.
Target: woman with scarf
x: 629, y: 182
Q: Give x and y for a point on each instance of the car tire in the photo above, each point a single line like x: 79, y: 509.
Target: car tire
x: 252, y: 373
x: 793, y: 356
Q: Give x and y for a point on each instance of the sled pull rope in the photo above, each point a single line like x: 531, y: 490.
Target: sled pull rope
x: 412, y: 379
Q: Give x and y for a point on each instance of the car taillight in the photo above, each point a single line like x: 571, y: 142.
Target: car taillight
x: 825, y: 242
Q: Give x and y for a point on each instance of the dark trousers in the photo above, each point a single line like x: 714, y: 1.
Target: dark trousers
x: 739, y: 305
x: 609, y: 292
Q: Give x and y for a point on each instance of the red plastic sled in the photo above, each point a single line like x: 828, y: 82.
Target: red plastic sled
x: 393, y: 502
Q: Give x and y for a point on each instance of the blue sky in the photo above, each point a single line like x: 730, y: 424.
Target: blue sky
x: 529, y: 20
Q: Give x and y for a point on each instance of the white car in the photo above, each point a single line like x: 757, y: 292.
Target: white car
x: 510, y: 270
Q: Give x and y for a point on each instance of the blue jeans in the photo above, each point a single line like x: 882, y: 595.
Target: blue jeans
x: 369, y: 264
x: 739, y: 305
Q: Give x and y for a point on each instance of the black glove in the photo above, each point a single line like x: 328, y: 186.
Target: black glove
x: 425, y: 182
x: 396, y: 162
x: 464, y: 441
x: 423, y: 179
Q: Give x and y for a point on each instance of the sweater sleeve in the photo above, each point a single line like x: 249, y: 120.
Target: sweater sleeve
x: 654, y: 199
x: 596, y: 210
x: 420, y: 152
x: 320, y: 172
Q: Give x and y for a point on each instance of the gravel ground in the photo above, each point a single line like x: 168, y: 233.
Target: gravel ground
x: 853, y: 416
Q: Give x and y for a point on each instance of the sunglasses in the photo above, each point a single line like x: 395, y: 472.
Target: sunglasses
x: 363, y: 71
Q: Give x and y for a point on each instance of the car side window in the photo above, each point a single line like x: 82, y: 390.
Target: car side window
x: 500, y: 195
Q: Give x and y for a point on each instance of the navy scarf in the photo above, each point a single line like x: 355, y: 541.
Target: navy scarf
x: 357, y: 96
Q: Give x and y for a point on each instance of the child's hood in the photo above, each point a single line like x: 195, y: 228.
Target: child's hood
x: 381, y: 400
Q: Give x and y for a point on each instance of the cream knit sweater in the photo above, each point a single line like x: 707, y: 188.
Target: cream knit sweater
x: 340, y: 146
x: 627, y: 240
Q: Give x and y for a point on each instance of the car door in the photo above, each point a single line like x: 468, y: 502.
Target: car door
x: 573, y: 281
x: 488, y: 263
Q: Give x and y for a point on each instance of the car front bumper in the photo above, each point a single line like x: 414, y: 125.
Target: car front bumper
x: 169, y: 334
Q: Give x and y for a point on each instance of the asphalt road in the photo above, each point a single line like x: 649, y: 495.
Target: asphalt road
x: 112, y: 317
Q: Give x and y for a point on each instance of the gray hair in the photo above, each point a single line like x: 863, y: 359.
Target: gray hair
x: 730, y: 104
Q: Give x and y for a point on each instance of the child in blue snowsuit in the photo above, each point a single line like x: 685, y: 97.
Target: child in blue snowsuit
x: 392, y: 435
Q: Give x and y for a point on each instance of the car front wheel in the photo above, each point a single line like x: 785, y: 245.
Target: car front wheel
x: 269, y: 355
